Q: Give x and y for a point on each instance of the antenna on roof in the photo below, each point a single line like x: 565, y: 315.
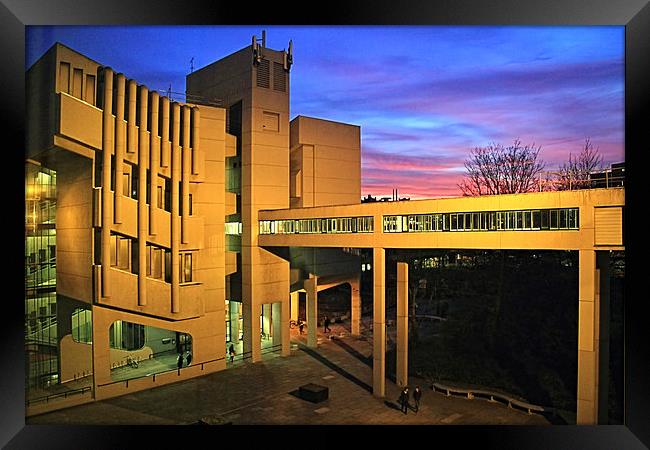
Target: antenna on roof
x: 192, y: 64
x: 288, y: 57
x: 257, y: 51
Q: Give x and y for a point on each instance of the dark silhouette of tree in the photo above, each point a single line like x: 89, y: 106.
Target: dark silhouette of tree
x: 574, y: 174
x: 496, y: 169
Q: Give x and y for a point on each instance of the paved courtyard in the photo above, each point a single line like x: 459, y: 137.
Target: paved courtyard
x: 264, y: 394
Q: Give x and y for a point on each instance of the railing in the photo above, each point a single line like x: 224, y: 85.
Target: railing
x: 553, y: 181
x: 65, y: 394
x: 266, y: 350
x: 153, y: 376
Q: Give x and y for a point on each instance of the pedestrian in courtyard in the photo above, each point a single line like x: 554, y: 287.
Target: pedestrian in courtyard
x: 231, y: 351
x: 326, y: 323
x: 179, y: 362
x: 417, y: 395
x: 189, y: 357
x: 301, y: 325
x: 404, y: 400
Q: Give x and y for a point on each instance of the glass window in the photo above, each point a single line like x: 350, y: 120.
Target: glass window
x: 82, y: 326
x: 573, y: 218
x: 454, y: 222
x: 501, y: 218
x: 519, y: 224
x: 186, y: 268
x: 126, y: 184
x: 168, y: 266
x: 563, y: 218
x: 554, y: 219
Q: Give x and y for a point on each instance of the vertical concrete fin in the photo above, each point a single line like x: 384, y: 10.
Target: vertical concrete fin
x: 402, y: 323
x: 379, y: 323
x: 143, y: 215
x: 154, y: 156
x: 107, y: 149
x: 175, y: 232
x: 119, y: 147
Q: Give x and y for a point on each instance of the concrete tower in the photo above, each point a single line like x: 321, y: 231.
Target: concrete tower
x: 253, y: 85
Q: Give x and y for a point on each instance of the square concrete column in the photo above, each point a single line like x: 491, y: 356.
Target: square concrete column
x: 234, y: 322
x: 602, y: 263
x: 379, y: 323
x: 588, y: 312
x: 266, y: 319
x: 251, y: 335
x: 402, y: 323
x: 355, y: 305
x: 311, y: 286
x: 276, y: 323
x: 294, y: 298
x: 284, y: 327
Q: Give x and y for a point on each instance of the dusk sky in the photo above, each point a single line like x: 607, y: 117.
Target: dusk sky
x: 423, y: 96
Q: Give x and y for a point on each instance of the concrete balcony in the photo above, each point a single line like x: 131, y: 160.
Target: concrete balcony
x: 231, y: 262
x: 194, y: 234
x: 79, y: 122
x: 231, y: 203
x: 158, y: 294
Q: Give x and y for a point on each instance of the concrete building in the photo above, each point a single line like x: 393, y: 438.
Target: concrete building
x: 172, y: 228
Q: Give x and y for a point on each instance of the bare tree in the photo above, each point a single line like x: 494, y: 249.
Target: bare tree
x: 496, y: 169
x: 574, y: 174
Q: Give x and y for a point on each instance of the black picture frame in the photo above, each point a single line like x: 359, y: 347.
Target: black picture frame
x: 633, y: 14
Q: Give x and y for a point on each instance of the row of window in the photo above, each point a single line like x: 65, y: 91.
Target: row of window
x: 314, y: 226
x: 539, y: 219
x: 124, y: 256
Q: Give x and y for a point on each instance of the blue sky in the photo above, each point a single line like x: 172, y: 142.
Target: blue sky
x: 423, y: 96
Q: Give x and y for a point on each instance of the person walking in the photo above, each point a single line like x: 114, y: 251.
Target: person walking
x: 417, y: 395
x: 231, y: 352
x: 301, y: 325
x: 326, y: 324
x: 179, y: 362
x: 404, y: 400
x: 189, y: 358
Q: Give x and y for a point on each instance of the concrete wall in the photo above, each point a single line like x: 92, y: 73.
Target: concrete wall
x: 325, y: 163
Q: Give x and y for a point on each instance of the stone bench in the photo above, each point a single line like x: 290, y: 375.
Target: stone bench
x: 492, y: 397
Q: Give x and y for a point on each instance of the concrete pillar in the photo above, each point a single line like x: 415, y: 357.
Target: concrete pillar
x: 311, y: 286
x: 119, y: 148
x: 154, y: 159
x: 294, y: 299
x: 130, y: 126
x: 402, y: 324
x: 107, y: 149
x: 164, y: 134
x: 276, y: 323
x: 175, y: 225
x: 588, y: 320
x: 379, y: 323
x: 266, y: 319
x: 234, y: 322
x: 196, y: 119
x: 185, y: 175
x: 143, y: 215
x: 284, y: 328
x: 602, y: 262
x: 355, y: 305
x: 251, y: 335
